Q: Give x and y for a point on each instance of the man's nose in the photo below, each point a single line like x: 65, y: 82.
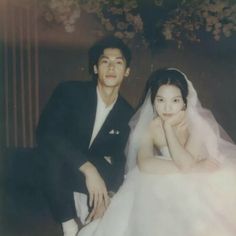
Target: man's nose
x: 111, y: 65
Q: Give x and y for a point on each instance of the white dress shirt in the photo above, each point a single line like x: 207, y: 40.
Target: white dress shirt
x: 102, y: 112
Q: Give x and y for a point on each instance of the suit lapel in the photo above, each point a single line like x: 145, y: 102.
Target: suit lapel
x: 90, y: 110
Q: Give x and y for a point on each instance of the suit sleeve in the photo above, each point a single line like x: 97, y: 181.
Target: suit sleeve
x: 51, y: 133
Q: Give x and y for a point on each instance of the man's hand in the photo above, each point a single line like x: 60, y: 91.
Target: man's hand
x: 96, y: 186
x: 97, y: 212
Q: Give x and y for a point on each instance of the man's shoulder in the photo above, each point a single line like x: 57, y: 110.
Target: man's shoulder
x: 126, y: 107
x: 74, y: 88
x: 75, y: 85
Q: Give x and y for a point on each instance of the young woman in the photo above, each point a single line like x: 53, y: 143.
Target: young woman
x: 181, y: 169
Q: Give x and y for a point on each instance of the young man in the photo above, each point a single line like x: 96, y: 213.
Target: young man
x: 82, y: 135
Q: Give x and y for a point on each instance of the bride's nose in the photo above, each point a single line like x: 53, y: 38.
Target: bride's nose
x: 167, y: 107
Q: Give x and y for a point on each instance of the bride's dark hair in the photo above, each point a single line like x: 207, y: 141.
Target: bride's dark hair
x: 167, y: 76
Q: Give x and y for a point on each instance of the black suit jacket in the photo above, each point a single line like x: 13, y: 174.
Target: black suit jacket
x: 66, y: 126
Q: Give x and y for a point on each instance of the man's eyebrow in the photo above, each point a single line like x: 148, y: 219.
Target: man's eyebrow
x: 120, y: 57
x: 103, y: 56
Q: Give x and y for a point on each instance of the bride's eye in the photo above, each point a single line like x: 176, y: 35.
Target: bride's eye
x: 160, y: 99
x: 176, y: 100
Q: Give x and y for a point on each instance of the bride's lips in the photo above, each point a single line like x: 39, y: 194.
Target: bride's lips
x: 167, y: 114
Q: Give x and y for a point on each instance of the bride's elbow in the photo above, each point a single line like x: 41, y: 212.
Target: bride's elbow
x: 186, y: 166
x: 142, y: 164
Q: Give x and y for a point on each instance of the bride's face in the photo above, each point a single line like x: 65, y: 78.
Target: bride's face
x: 168, y: 101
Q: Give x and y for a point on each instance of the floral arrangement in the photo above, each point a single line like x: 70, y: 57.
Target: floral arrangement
x: 185, y: 22
x: 183, y: 19
x: 120, y: 17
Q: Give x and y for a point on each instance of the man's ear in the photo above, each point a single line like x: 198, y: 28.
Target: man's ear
x: 127, y: 71
x: 95, y: 69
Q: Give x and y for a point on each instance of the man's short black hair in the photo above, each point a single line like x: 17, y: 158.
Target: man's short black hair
x: 107, y: 42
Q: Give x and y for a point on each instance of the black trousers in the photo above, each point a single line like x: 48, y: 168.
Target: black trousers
x: 58, y: 182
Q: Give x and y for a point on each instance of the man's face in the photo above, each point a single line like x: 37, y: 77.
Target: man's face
x: 111, y: 68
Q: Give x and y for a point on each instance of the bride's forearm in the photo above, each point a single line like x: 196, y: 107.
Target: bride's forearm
x: 206, y: 165
x: 155, y: 165
x: 182, y: 158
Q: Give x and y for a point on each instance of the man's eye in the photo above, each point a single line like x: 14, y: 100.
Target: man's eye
x: 119, y: 62
x: 104, y: 61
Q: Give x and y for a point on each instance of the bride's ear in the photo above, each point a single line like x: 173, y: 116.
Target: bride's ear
x: 184, y: 107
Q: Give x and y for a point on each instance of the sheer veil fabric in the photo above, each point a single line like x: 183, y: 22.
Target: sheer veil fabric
x: 180, y: 204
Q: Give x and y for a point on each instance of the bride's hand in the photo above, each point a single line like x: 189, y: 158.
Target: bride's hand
x: 158, y: 132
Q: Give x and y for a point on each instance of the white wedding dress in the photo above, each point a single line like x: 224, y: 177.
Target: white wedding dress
x: 180, y: 204
x: 197, y: 204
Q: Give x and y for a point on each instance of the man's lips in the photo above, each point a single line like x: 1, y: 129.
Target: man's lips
x: 110, y: 76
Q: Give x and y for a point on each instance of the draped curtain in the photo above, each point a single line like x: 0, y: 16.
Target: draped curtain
x: 20, y: 73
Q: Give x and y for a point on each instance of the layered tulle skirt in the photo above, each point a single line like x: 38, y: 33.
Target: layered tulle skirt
x: 190, y: 204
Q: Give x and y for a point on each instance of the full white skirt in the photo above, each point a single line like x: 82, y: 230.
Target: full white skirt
x: 197, y: 204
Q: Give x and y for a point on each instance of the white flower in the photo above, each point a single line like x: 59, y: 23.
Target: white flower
x: 129, y: 35
x: 48, y: 16
x: 217, y: 37
x: 121, y: 25
x: 167, y: 33
x: 119, y: 34
x: 227, y: 33
x: 138, y: 23
x: 218, y: 25
x: 209, y: 28
x: 69, y: 28
x: 108, y: 25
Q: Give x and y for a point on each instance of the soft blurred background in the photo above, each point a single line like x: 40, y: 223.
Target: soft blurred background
x: 44, y: 42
